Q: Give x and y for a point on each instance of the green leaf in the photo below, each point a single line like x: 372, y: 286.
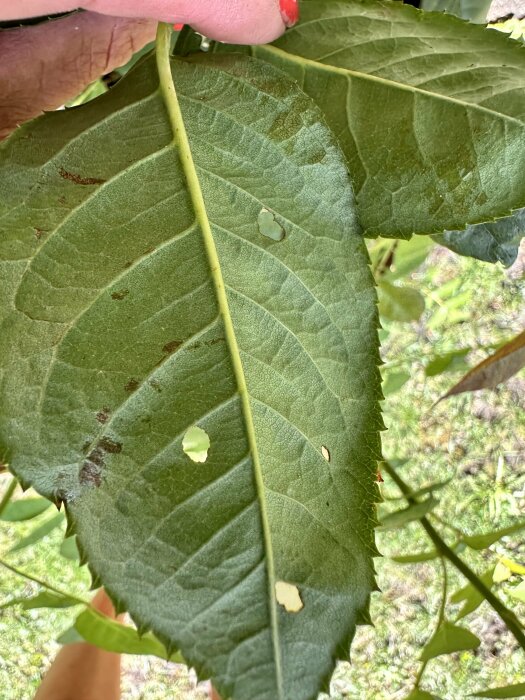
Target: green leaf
x: 470, y: 596
x: 518, y: 592
x: 473, y: 10
x: 486, y: 539
x: 408, y: 256
x: 69, y: 549
x: 39, y: 532
x: 113, y: 636
x: 453, y: 361
x: 400, y: 518
x: 507, y: 691
x: 496, y: 241
x: 394, y: 381
x: 432, y: 123
x: 128, y: 342
x: 45, y: 599
x: 448, y: 639
x: 416, y: 558
x: 400, y: 303
x: 418, y: 694
x: 25, y: 509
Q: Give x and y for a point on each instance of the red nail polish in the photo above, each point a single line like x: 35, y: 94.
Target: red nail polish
x: 289, y: 11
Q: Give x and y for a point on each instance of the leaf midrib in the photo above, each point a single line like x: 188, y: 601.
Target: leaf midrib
x: 180, y: 139
x: 295, y: 58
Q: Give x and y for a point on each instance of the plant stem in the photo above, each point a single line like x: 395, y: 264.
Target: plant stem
x: 7, y: 495
x: 48, y: 586
x: 507, y: 616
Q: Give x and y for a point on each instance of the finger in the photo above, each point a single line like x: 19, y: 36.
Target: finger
x: 45, y: 65
x: 236, y: 21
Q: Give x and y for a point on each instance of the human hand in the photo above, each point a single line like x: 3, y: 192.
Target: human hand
x: 43, y: 66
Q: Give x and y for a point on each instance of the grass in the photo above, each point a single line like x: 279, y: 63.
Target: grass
x: 479, y: 440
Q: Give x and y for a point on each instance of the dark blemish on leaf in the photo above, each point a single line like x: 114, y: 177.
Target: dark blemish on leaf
x: 103, y: 415
x: 327, y: 504
x: 131, y: 385
x: 172, y: 345
x: 118, y: 296
x: 61, y: 199
x: 109, y: 445
x: 269, y: 227
x: 129, y: 263
x: 78, y: 179
x: 155, y: 385
x: 86, y: 446
x: 325, y: 452
x: 91, y: 471
x: 90, y: 474
x: 207, y: 343
x: 39, y: 232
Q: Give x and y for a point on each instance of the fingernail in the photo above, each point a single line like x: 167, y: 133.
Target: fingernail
x: 289, y: 11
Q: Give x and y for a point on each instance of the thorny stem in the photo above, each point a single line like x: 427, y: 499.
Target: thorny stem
x: 7, y: 495
x: 507, y: 616
x: 44, y: 584
x: 441, y: 617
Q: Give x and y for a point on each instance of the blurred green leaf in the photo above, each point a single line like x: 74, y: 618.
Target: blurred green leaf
x: 430, y: 488
x: 408, y: 256
x: 394, y: 381
x: 112, y: 636
x: 45, y: 599
x: 39, y: 533
x: 470, y: 596
x: 472, y: 10
x: 448, y: 639
x: 400, y: 303
x: 484, y: 540
x: 416, y: 558
x: 518, y: 592
x: 496, y: 241
x: 400, y: 518
x: 507, y: 691
x: 69, y: 549
x: 25, y: 509
x: 418, y: 694
x: 453, y: 361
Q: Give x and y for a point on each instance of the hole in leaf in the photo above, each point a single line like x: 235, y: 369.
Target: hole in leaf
x: 196, y: 443
x: 325, y: 452
x: 269, y: 227
x: 288, y: 596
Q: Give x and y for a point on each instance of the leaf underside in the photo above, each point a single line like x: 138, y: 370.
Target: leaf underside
x: 429, y: 110
x: 112, y: 346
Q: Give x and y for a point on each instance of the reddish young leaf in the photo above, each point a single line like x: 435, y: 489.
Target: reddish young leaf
x: 497, y: 368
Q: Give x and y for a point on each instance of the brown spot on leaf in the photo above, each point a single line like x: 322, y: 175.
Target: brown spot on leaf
x: 39, y: 232
x: 103, y: 415
x: 172, y: 345
x: 90, y: 474
x: 118, y: 296
x: 108, y: 445
x: 78, y: 179
x: 131, y: 385
x: 91, y: 471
